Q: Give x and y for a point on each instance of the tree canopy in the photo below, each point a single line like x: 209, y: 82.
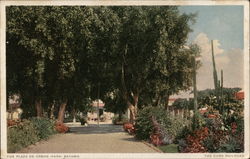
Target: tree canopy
x: 65, y: 54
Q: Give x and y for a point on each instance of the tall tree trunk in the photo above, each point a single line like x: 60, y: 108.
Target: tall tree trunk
x: 132, y: 110
x: 158, y: 102
x: 166, y: 101
x: 136, y: 98
x: 74, y: 114
x: 39, y: 109
x: 133, y: 107
x: 52, y: 109
x: 120, y: 116
x: 62, y: 111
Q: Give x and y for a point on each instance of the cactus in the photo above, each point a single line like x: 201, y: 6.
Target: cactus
x: 218, y: 84
x: 221, y: 93
x: 214, y: 69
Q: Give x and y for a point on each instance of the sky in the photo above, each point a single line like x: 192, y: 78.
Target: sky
x: 223, y: 25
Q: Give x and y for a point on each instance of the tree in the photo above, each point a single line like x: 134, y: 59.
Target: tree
x: 75, y: 51
x: 153, y: 59
x: 46, y: 34
x: 64, y: 44
x: 25, y: 57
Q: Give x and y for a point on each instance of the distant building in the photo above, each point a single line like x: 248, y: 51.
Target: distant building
x: 239, y: 95
x: 14, y: 111
x: 103, y: 115
x: 171, y: 101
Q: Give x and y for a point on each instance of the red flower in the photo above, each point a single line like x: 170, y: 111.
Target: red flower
x: 233, y: 127
x: 61, y: 128
x: 129, y: 128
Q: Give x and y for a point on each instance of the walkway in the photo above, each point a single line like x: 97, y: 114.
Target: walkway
x: 107, y: 138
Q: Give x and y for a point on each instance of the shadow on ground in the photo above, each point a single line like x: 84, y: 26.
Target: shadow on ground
x: 94, y: 129
x: 132, y: 139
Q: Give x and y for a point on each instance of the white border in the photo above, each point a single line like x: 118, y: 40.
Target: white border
x: 246, y: 77
x: 3, y: 4
x: 3, y: 81
x: 124, y: 2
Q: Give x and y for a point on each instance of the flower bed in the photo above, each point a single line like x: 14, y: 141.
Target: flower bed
x: 212, y: 132
x: 216, y: 135
x: 195, y: 142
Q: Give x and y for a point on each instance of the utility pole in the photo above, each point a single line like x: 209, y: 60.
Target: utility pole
x: 221, y: 93
x: 98, y: 110
x: 195, y: 117
x: 194, y: 85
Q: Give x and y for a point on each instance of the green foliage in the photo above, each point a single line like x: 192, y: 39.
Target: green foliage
x: 64, y: 51
x: 57, y: 48
x: 238, y: 119
x: 208, y: 98
x: 28, y: 132
x: 172, y: 126
x: 144, y: 125
x: 114, y: 102
x: 231, y: 146
x: 183, y: 133
x: 198, y: 121
x: 180, y: 103
x: 44, y: 127
x: 21, y: 135
x: 151, y: 54
x: 177, y: 126
x: 172, y: 148
x: 119, y: 119
x: 83, y: 120
x: 225, y: 134
x: 217, y: 134
x: 222, y: 138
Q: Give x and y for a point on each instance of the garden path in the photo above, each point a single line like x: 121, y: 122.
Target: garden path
x: 106, y: 138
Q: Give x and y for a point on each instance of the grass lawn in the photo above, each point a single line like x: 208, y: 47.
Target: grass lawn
x: 172, y: 148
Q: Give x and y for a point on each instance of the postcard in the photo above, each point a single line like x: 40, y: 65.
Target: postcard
x: 124, y: 79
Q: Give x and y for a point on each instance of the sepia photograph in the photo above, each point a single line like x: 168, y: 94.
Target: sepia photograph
x: 128, y: 79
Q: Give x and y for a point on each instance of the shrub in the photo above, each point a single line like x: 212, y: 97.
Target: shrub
x: 181, y: 103
x: 215, y: 139
x: 227, y: 136
x: 44, y: 126
x: 194, y: 143
x: 183, y: 134
x: 233, y: 144
x: 198, y: 121
x: 221, y: 135
x: 170, y: 126
x: 119, y: 120
x: 144, y: 125
x: 178, y: 127
x: 21, y: 135
x: 28, y: 132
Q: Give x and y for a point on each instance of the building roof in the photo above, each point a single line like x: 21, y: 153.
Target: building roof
x: 98, y: 102
x: 239, y: 95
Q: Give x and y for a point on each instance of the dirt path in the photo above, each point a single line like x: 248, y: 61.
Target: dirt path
x: 107, y: 138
